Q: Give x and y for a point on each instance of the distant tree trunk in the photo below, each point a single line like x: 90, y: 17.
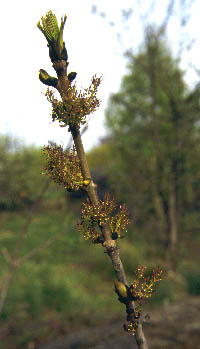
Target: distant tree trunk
x: 161, y: 217
x: 173, y: 224
x: 167, y: 217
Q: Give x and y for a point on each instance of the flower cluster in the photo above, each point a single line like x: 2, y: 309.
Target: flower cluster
x: 94, y: 216
x: 140, y: 290
x: 143, y: 286
x: 133, y: 319
x: 72, y: 111
x: 63, y: 167
x: 119, y: 222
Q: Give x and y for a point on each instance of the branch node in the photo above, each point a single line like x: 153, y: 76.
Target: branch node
x: 110, y: 245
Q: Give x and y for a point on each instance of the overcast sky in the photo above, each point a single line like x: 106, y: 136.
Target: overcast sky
x: 93, y: 48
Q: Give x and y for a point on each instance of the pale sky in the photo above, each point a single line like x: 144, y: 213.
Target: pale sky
x: 93, y: 48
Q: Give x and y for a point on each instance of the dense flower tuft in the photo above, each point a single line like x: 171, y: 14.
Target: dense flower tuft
x: 94, y: 216
x: 140, y: 290
x: 144, y: 286
x: 63, y: 167
x: 72, y: 111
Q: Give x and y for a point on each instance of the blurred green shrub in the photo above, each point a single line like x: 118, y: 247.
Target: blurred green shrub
x: 192, y: 277
x: 20, y: 173
x: 166, y: 291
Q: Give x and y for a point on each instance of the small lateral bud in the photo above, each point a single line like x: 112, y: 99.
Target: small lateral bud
x: 46, y: 79
x: 121, y: 289
x: 71, y: 76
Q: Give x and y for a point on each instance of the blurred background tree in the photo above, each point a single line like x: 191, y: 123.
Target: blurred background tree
x: 20, y: 173
x: 154, y: 160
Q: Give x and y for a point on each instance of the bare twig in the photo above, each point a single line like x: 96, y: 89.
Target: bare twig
x: 110, y: 244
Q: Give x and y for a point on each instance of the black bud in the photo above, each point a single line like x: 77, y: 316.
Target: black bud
x: 114, y: 236
x: 71, y: 76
